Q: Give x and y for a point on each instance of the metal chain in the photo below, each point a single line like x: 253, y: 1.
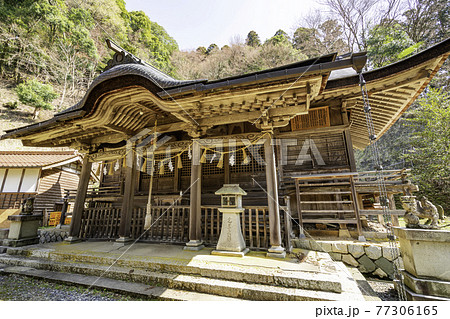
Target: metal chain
x: 384, y: 201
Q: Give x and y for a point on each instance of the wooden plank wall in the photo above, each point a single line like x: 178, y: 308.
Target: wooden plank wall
x: 51, y: 188
x: 13, y: 200
x: 331, y: 146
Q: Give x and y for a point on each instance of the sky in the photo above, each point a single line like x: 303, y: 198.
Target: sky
x: 194, y: 23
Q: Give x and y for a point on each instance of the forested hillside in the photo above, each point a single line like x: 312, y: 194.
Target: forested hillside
x: 62, y: 42
x: 51, y: 50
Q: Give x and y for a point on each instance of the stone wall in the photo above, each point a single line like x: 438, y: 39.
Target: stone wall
x: 370, y: 258
x: 52, y: 235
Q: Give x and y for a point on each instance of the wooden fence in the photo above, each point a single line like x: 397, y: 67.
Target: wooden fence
x: 101, y: 223
x: 171, y: 225
x: 168, y: 224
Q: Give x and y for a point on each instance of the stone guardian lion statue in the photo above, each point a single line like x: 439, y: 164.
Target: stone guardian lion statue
x: 420, y: 209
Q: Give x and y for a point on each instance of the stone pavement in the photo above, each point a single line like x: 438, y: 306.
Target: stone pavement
x: 252, y: 277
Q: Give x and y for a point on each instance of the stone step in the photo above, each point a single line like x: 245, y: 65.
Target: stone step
x: 202, y: 285
x: 309, y: 280
x: 120, y: 286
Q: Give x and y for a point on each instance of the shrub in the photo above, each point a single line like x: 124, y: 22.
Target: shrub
x: 36, y: 94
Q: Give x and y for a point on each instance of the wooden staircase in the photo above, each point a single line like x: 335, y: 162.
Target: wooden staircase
x: 327, y: 199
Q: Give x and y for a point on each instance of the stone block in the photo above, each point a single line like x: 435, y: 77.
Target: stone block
x: 339, y: 248
x: 304, y: 244
x: 386, y: 266
x: 373, y: 252
x: 431, y: 287
x: 362, y: 269
x: 425, y: 252
x: 4, y: 233
x: 390, y: 253
x: 356, y: 250
x: 336, y: 256
x: 326, y: 247
x: 380, y: 273
x: 314, y: 245
x: 367, y: 263
x: 349, y: 260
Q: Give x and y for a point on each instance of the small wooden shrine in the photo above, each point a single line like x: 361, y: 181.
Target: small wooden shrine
x: 285, y: 135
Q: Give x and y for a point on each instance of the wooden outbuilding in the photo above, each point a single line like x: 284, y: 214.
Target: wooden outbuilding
x: 44, y: 175
x: 285, y: 135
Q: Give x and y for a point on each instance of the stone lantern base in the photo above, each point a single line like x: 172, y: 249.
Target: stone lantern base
x: 23, y: 230
x: 231, y: 242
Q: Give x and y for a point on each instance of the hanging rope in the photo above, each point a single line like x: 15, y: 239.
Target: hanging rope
x: 148, y: 215
x: 384, y: 201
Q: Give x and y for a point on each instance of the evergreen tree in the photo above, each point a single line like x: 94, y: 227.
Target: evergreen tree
x: 253, y: 39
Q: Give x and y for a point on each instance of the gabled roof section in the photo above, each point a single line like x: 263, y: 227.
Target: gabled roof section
x: 17, y: 159
x: 131, y: 95
x: 392, y: 89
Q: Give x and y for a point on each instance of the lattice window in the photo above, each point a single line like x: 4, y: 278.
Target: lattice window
x: 253, y: 166
x: 210, y: 168
x: 186, y: 162
x: 317, y: 117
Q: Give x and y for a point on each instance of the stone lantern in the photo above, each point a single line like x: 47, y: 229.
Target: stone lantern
x: 24, y: 227
x: 231, y: 242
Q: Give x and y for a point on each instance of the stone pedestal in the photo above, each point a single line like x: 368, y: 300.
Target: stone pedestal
x: 23, y: 230
x: 194, y: 245
x: 123, y: 241
x: 231, y: 242
x: 426, y: 259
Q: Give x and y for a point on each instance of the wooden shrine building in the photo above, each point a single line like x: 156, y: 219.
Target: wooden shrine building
x: 44, y: 175
x: 285, y: 135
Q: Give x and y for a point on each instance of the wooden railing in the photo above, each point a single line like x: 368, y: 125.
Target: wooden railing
x: 168, y: 224
x: 395, y: 176
x: 254, y: 225
x: 101, y: 223
x: 171, y: 224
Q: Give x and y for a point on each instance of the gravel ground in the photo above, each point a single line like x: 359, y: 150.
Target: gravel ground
x: 15, y: 287
x: 384, y: 289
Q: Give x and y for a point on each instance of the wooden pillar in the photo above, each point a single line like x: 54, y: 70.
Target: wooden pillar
x: 128, y: 198
x: 78, y: 207
x: 64, y: 209
x: 356, y: 208
x: 195, y: 212
x: 288, y: 223
x: 394, y: 218
x: 272, y: 198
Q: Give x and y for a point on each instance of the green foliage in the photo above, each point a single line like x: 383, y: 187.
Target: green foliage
x: 253, y: 39
x: 430, y: 143
x: 428, y: 21
x: 387, y: 44
x: 280, y: 38
x: 408, y: 51
x: 63, y: 41
x: 212, y: 47
x: 36, y: 94
x: 151, y: 41
x: 201, y: 50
